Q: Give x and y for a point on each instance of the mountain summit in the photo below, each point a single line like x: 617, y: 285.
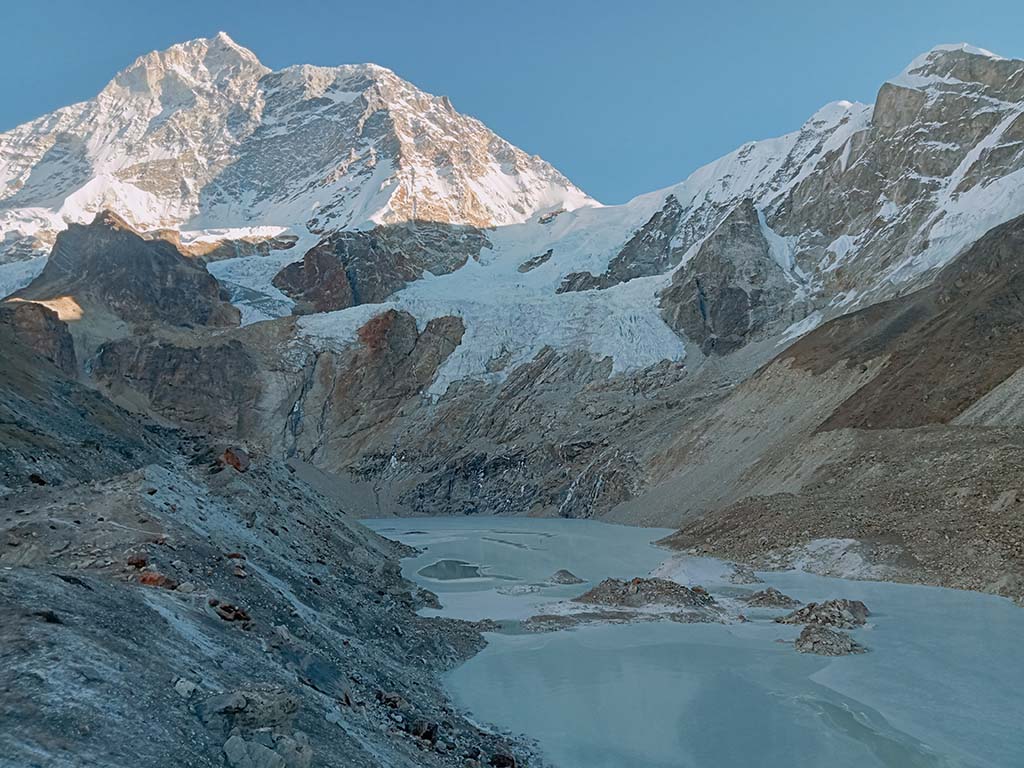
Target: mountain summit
x: 202, y: 136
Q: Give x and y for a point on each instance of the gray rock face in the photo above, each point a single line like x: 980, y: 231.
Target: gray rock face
x: 732, y: 291
x: 211, y: 386
x: 350, y: 268
x: 820, y: 640
x: 55, y: 429
x: 910, y: 181
x: 226, y: 248
x: 531, y: 264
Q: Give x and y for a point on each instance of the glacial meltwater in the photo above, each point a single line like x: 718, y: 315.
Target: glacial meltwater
x: 941, y: 685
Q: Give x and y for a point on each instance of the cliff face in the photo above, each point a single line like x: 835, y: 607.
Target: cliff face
x: 107, y: 266
x: 350, y: 268
x: 731, y: 291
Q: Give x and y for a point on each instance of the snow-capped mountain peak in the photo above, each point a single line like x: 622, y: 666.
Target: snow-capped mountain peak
x: 202, y: 136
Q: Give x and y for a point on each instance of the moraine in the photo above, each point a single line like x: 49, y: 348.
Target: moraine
x: 940, y: 685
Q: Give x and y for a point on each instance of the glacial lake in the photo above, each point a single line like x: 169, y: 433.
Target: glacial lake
x: 942, y: 684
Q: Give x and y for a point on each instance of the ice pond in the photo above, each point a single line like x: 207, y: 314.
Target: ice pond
x: 942, y: 685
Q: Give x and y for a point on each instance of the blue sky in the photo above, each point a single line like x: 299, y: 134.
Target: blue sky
x: 623, y: 97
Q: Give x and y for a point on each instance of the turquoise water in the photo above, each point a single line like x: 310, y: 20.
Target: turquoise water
x: 943, y: 684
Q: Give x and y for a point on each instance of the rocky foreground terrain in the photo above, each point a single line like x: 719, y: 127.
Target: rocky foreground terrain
x: 170, y: 600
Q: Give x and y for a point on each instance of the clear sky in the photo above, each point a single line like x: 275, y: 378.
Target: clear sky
x: 623, y: 97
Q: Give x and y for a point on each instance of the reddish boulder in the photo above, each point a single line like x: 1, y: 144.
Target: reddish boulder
x: 236, y: 457
x: 155, y: 579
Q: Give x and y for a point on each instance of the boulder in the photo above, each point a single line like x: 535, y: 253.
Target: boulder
x: 771, y: 598
x: 823, y: 641
x: 236, y: 458
x: 842, y: 613
x: 424, y: 729
x: 250, y: 754
x: 156, y: 579
x: 562, y: 576
x: 230, y: 612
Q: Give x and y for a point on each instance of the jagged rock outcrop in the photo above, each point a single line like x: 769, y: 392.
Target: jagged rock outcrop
x: 220, y: 248
x: 535, y: 261
x: 562, y: 576
x: 732, y: 290
x: 53, y: 429
x: 357, y: 393
x: 823, y: 641
x: 107, y: 267
x: 640, y: 592
x: 516, y: 447
x: 771, y: 598
x: 365, y: 267
x: 842, y: 613
x: 38, y: 328
x: 915, y: 185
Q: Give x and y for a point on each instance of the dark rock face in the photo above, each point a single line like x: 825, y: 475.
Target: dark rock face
x: 351, y: 268
x: 516, y: 448
x: 732, y: 291
x: 536, y: 261
x: 39, y: 329
x: 107, y: 264
x: 650, y: 251
x: 823, y: 641
x: 211, y: 386
x: 228, y: 248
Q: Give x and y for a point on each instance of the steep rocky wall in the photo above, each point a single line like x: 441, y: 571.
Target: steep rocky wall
x: 108, y: 267
x: 350, y: 268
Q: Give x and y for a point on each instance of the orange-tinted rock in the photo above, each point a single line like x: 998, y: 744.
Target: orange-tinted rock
x: 155, y: 579
x: 237, y: 458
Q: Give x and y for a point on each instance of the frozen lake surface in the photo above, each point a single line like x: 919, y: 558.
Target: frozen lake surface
x: 942, y: 685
